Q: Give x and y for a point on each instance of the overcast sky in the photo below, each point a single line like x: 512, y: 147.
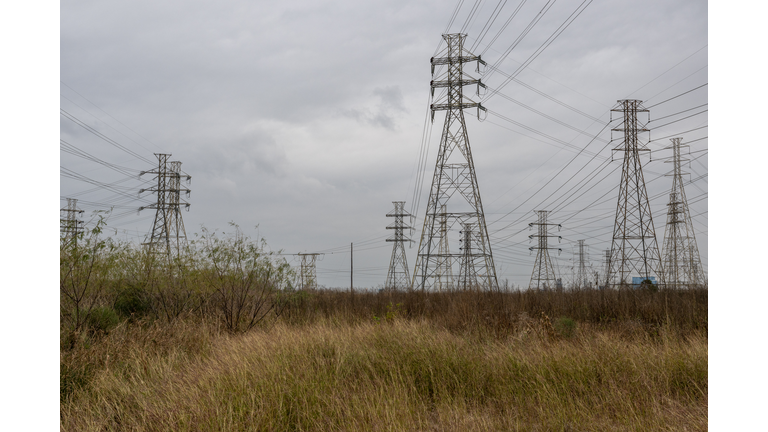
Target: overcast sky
x: 306, y: 118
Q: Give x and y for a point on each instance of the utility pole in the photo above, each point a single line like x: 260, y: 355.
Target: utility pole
x: 397, y: 276
x: 543, y: 276
x: 168, y: 229
x: 71, y: 227
x: 454, y: 178
x: 308, y: 271
x: 634, y: 251
x: 351, y: 268
x: 682, y: 264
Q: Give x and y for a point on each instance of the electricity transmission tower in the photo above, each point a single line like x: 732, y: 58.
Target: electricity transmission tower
x: 634, y: 251
x: 71, y: 227
x: 454, y: 184
x: 444, y: 271
x: 682, y: 264
x: 606, y: 265
x: 467, y: 269
x: 308, y: 271
x: 543, y: 276
x: 397, y: 276
x: 581, y: 280
x: 168, y: 229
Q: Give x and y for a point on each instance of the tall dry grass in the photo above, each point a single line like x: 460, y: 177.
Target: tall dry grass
x: 219, y: 339
x: 500, y: 312
x: 396, y: 375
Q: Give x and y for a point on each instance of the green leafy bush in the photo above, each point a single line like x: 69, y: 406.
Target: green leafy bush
x: 132, y: 302
x: 102, y: 319
x: 565, y: 327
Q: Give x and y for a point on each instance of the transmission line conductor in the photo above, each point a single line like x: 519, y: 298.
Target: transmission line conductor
x: 454, y: 194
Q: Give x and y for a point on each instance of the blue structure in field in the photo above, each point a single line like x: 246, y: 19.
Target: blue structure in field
x: 636, y: 281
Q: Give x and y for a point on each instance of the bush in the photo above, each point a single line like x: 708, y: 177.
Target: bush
x: 102, y: 319
x: 565, y: 327
x: 132, y: 301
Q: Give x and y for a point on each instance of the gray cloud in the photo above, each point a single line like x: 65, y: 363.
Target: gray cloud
x: 307, y: 117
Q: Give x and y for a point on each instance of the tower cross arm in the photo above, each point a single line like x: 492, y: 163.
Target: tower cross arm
x: 463, y: 105
x: 456, y: 60
x: 456, y: 83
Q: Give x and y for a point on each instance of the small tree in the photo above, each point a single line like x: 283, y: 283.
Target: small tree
x: 250, y: 283
x: 85, y: 269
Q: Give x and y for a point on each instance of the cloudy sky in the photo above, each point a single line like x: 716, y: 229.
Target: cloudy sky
x: 307, y: 118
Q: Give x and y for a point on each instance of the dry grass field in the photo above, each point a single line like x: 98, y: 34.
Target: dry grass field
x: 205, y: 346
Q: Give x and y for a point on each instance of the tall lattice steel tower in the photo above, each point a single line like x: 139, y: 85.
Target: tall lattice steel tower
x: 398, y: 277
x: 543, y: 276
x: 168, y: 231
x: 444, y: 274
x: 71, y: 227
x: 468, y: 269
x: 682, y: 264
x: 308, y: 272
x: 606, y: 267
x: 454, y: 195
x: 634, y: 251
x: 582, y: 277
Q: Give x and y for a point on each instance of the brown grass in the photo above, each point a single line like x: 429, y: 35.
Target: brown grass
x: 374, y: 365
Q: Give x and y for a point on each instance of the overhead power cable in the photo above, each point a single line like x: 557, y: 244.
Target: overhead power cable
x: 563, y: 104
x: 503, y: 27
x: 520, y: 37
x: 110, y: 116
x: 544, y: 46
x: 681, y: 94
x: 71, y: 149
x: 102, y: 136
x: 488, y: 24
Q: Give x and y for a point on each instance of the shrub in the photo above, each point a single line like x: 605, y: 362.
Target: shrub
x: 250, y: 284
x: 565, y: 327
x: 132, y: 301
x: 102, y: 319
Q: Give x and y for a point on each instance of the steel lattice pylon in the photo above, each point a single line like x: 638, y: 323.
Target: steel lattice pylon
x: 454, y: 195
x: 397, y: 276
x: 444, y: 274
x: 582, y: 276
x: 605, y: 269
x: 543, y: 275
x: 467, y: 269
x: 634, y: 251
x: 682, y: 263
x: 71, y: 227
x: 168, y: 231
x: 308, y: 271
